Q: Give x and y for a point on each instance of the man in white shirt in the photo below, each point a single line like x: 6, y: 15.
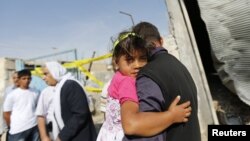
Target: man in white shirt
x: 13, y: 86
x: 19, y: 110
x: 44, y: 112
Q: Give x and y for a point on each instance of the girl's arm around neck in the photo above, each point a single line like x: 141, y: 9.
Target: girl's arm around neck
x: 152, y: 123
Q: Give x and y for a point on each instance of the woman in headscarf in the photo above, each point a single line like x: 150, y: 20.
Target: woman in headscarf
x: 72, y: 117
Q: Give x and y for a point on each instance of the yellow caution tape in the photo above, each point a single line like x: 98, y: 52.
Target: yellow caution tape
x: 37, y: 72
x: 92, y: 89
x: 91, y: 77
x: 79, y: 64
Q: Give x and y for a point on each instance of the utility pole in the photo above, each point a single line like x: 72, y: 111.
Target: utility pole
x: 131, y: 17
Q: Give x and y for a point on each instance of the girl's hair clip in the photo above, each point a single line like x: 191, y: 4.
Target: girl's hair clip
x: 124, y: 36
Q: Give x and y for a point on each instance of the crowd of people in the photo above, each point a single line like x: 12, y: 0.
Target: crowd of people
x: 151, y: 97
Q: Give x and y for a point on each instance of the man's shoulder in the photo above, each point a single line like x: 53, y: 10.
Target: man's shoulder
x: 34, y: 90
x: 48, y: 89
x: 12, y: 94
x: 14, y: 91
x: 70, y: 82
x: 9, y: 89
x: 146, y: 83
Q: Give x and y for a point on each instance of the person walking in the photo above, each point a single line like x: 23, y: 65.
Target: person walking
x: 72, y: 119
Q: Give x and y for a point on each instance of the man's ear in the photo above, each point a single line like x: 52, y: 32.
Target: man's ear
x: 161, y: 41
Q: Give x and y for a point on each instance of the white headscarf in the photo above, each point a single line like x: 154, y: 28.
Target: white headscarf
x: 56, y: 70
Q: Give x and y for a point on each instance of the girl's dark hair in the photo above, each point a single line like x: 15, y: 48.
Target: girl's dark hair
x: 126, y: 44
x: 24, y: 72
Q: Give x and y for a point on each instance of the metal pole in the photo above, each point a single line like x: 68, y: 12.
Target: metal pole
x: 75, y: 51
x: 89, y: 69
x: 129, y: 16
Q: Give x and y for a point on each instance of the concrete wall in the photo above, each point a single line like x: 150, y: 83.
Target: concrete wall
x: 182, y: 32
x: 7, y: 66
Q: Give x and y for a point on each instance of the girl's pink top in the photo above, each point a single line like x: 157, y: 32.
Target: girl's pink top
x: 123, y: 88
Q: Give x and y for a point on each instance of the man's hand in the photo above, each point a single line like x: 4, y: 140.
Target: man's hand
x: 46, y: 139
x: 58, y: 139
x: 181, y: 112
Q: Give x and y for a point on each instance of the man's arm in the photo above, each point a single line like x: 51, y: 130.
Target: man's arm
x: 42, y: 128
x: 7, y: 108
x: 41, y: 112
x: 6, y: 116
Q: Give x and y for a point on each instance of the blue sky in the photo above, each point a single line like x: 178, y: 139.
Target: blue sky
x: 33, y: 28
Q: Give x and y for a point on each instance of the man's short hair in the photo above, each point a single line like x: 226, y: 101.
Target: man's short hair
x: 147, y: 31
x: 24, y: 72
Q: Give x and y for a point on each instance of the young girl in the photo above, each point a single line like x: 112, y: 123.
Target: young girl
x: 129, y: 57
